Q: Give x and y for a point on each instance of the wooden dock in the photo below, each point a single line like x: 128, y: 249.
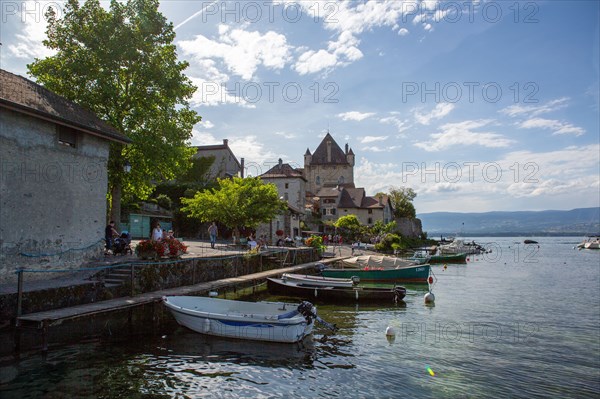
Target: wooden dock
x: 43, y: 320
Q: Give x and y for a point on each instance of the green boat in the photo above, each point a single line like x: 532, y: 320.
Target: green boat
x: 437, y: 259
x: 381, y: 269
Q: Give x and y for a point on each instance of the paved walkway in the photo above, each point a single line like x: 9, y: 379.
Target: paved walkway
x: 196, y: 249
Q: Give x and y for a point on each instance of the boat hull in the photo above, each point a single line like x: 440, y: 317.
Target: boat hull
x: 450, y: 258
x: 416, y: 275
x: 335, y: 294
x: 239, y: 323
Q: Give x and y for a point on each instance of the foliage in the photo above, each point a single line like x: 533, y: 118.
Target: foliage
x: 380, y: 228
x: 169, y: 246
x: 149, y: 246
x: 236, y: 202
x: 122, y: 64
x: 389, y: 242
x: 164, y: 201
x: 349, y: 226
x: 401, y: 199
x: 199, y: 170
x: 174, y: 246
x: 316, y: 242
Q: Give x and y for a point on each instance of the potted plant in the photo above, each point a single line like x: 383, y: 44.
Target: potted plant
x: 175, y: 248
x: 148, y: 249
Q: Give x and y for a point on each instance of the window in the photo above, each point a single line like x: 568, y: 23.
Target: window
x: 370, y: 221
x: 285, y: 196
x: 370, y: 211
x: 67, y: 136
x: 318, y: 180
x: 333, y: 211
x: 287, y: 185
x: 324, y: 211
x: 341, y: 180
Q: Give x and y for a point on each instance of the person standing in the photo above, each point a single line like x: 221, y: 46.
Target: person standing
x: 157, y: 232
x: 213, y: 231
x: 109, y: 234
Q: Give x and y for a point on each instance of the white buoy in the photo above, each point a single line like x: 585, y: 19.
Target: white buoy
x: 390, y: 334
x: 429, y: 298
x: 213, y: 294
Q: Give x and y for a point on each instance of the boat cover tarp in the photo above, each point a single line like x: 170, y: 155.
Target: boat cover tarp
x: 376, y: 261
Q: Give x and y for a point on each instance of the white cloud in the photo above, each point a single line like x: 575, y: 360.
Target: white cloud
x: 403, y: 32
x: 440, y: 110
x: 355, y: 115
x: 204, y: 138
x: 207, y: 124
x: 29, y: 43
x: 401, y: 125
x: 339, y: 53
x: 534, y: 110
x: 372, y: 139
x: 255, y: 155
x: 557, y: 127
x: 241, y: 51
x: 375, y: 148
x: 462, y: 134
x: 286, y: 135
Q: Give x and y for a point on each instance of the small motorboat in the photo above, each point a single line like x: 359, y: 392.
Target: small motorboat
x: 439, y: 258
x: 592, y: 242
x: 530, y: 242
x: 301, y: 289
x: 320, y: 280
x: 262, y: 321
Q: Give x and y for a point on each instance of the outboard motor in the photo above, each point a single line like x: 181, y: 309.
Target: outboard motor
x: 399, y: 294
x: 355, y: 280
x: 319, y: 267
x: 309, y: 312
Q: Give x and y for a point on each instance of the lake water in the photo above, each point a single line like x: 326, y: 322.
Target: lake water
x: 523, y: 321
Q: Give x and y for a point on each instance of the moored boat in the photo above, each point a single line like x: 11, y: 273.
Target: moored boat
x: 381, y: 268
x: 262, y: 321
x: 530, y: 242
x: 592, y: 242
x: 320, y: 280
x: 440, y: 258
x: 342, y: 294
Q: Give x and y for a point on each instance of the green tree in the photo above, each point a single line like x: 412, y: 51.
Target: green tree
x: 349, y: 225
x: 401, y: 199
x: 122, y: 65
x: 236, y: 202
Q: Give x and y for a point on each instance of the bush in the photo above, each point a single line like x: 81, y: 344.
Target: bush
x: 315, y: 241
x: 164, y: 202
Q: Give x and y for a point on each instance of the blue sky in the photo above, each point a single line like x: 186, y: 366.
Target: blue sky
x: 478, y: 106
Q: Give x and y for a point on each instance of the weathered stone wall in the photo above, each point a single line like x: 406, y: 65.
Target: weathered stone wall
x: 409, y: 227
x: 52, y: 196
x: 148, y: 278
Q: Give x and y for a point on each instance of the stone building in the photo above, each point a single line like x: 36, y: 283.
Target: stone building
x: 291, y: 186
x: 53, y: 178
x: 329, y: 173
x: 224, y: 162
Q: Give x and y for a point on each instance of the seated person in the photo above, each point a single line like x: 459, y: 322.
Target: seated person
x: 252, y: 243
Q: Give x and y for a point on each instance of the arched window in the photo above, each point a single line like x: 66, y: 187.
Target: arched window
x: 318, y: 180
x: 341, y: 180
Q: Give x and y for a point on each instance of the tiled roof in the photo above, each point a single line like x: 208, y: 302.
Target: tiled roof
x: 22, y: 95
x: 352, y: 198
x: 282, y: 171
x: 337, y: 155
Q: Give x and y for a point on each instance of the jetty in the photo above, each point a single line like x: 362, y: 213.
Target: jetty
x: 42, y: 321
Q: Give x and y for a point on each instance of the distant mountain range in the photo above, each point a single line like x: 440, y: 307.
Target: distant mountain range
x: 580, y: 221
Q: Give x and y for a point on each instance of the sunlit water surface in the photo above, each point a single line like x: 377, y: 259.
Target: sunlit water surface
x: 523, y: 321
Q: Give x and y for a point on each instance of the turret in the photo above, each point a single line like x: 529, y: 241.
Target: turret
x: 307, y: 158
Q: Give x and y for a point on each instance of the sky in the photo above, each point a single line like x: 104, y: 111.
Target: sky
x: 476, y: 105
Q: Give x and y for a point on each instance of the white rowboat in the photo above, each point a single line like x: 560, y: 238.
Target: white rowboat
x: 320, y: 281
x: 262, y: 321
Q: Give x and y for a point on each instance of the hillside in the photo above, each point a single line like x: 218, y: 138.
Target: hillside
x: 576, y: 221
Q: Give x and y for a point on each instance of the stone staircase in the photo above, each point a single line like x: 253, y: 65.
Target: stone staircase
x: 118, y: 276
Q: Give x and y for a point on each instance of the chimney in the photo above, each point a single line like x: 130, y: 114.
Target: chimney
x: 380, y: 199
x: 329, y: 151
x: 242, y: 167
x: 346, y: 148
x: 280, y: 163
x: 225, y: 141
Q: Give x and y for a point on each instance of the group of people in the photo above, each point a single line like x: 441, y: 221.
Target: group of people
x: 158, y: 234
x: 333, y: 240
